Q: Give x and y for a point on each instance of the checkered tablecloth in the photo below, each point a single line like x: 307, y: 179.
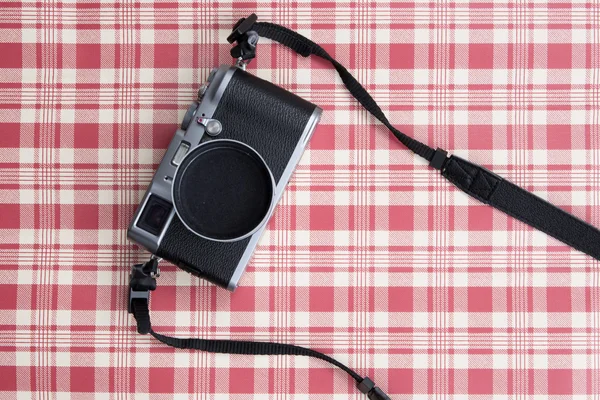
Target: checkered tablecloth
x: 371, y: 256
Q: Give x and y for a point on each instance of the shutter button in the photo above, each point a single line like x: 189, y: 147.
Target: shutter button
x: 211, y: 126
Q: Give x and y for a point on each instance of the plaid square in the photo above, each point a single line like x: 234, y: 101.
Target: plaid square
x: 8, y: 300
x: 559, y: 299
x: 10, y: 137
x: 481, y: 55
x: 400, y: 299
x: 559, y: 137
x: 481, y: 381
x: 481, y: 137
x: 401, y: 380
x: 401, y: 218
x: 402, y: 56
x: 166, y: 55
x: 82, y: 379
x: 83, y: 297
x: 322, y: 218
x: 241, y: 380
x: 244, y: 299
x: 560, y: 381
x: 11, y: 216
x: 321, y: 381
x: 88, y: 55
x: 480, y: 299
x: 8, y: 378
x: 481, y: 218
x: 166, y: 299
x: 323, y: 138
x: 86, y: 136
x: 12, y: 55
x: 559, y: 55
x: 86, y: 216
x: 321, y: 299
x: 166, y: 383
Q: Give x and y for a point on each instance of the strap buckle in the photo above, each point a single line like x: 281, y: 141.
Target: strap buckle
x: 137, y: 294
x: 439, y: 159
x: 142, y: 280
x: 241, y: 27
x: 247, y: 39
x: 367, y: 386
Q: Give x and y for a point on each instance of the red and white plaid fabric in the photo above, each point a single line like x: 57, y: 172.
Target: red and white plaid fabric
x: 371, y: 257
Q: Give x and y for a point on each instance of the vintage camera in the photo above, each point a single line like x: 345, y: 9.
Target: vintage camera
x: 222, y: 175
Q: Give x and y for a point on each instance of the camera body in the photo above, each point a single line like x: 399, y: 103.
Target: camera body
x: 261, y: 120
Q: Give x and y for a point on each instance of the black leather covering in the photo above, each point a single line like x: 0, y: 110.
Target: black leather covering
x: 269, y: 119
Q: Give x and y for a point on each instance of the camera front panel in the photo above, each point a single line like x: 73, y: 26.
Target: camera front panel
x: 274, y: 122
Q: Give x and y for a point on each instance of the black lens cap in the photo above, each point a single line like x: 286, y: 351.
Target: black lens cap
x: 223, y: 190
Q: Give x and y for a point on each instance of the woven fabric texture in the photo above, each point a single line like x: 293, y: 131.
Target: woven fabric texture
x: 371, y: 256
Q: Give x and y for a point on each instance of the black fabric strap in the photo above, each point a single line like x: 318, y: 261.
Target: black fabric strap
x: 492, y: 189
x: 254, y: 348
x: 306, y: 47
x: 140, y: 285
x: 475, y: 180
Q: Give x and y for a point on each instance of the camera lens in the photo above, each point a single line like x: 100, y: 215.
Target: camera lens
x: 223, y: 190
x: 155, y: 215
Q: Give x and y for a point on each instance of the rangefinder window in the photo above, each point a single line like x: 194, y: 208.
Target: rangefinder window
x: 155, y: 215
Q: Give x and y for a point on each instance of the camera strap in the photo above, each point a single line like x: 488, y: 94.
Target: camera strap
x: 477, y: 181
x: 142, y: 281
